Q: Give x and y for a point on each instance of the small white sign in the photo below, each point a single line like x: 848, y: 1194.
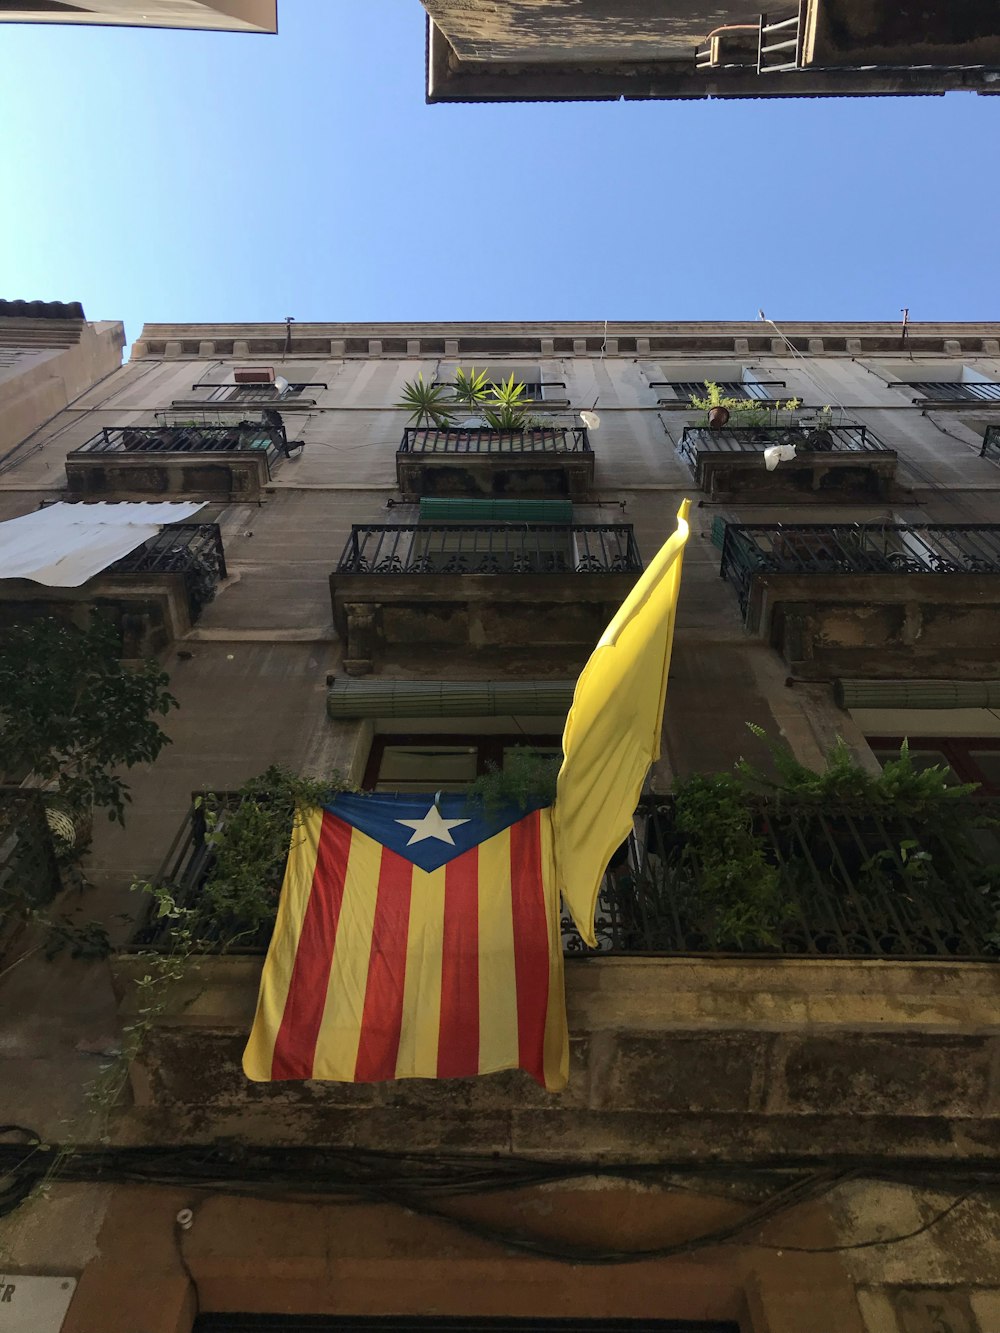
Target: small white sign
x: 30, y: 1304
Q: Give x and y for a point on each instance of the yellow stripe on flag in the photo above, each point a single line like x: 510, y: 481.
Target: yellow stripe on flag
x: 280, y: 961
x: 498, y: 1037
x: 418, y: 1038
x: 340, y: 1031
x: 613, y: 731
x: 556, y: 1056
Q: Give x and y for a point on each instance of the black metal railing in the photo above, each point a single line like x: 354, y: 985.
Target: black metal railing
x: 991, y: 444
x: 192, y: 549
x: 246, y: 437
x: 684, y: 390
x: 749, y: 439
x: 537, y: 440
x: 499, y: 548
x: 752, y: 549
x: 29, y: 873
x: 945, y: 391
x: 846, y: 882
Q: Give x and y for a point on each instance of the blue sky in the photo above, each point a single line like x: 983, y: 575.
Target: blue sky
x: 181, y: 176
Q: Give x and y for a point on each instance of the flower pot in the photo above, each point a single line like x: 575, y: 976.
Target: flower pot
x: 717, y: 417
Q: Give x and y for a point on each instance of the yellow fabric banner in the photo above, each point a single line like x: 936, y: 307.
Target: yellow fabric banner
x: 613, y: 731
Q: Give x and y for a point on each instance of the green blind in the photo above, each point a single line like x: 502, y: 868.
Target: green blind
x: 448, y: 698
x: 511, y: 511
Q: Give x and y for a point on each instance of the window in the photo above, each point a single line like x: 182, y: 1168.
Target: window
x: 537, y: 388
x: 414, y: 762
x: 968, y: 758
x: 943, y: 382
x: 684, y: 380
x: 295, y: 386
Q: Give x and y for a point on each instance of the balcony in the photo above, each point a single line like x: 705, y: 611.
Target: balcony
x: 831, y: 463
x: 862, y: 1050
x: 545, y: 461
x: 484, y: 586
x: 870, y: 600
x: 198, y: 461
x: 154, y: 594
x: 951, y: 391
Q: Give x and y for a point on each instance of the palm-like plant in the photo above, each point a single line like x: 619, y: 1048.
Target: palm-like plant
x: 427, y: 404
x: 471, y: 387
x: 507, y: 407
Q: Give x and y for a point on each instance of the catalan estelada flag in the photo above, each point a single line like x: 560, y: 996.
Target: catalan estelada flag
x: 416, y: 937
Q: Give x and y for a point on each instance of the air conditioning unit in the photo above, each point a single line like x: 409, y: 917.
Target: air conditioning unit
x: 254, y: 375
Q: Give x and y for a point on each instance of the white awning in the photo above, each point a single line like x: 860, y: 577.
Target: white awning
x: 64, y: 545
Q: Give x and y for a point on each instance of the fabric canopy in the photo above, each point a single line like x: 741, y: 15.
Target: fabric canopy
x: 64, y: 545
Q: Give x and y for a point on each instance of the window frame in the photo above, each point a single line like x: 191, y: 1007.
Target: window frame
x: 489, y: 747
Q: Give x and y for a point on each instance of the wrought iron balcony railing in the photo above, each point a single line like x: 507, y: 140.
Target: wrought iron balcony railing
x: 750, y: 439
x: 847, y: 882
x: 752, y: 549
x: 501, y: 548
x: 540, y: 439
x: 683, y: 391
x: 945, y: 391
x: 192, y: 549
x: 991, y: 444
x: 246, y: 437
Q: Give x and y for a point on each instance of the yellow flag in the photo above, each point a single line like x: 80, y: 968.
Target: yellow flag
x: 613, y: 731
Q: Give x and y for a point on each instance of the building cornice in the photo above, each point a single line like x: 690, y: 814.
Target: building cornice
x: 566, y: 338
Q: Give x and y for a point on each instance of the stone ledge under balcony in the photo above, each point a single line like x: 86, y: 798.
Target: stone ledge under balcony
x: 208, y: 476
x: 730, y: 1057
x: 945, y: 626
x: 375, y: 613
x: 149, y: 610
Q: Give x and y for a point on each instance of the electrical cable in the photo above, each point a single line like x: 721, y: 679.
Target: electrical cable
x: 872, y: 1243
x: 411, y: 1182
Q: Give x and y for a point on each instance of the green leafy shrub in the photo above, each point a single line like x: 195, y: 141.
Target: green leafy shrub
x: 72, y: 713
x: 527, y: 777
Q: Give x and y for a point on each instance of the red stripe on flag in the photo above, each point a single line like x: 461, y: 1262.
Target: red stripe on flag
x: 295, y: 1044
x: 383, y: 1016
x: 531, y: 943
x: 458, y: 1037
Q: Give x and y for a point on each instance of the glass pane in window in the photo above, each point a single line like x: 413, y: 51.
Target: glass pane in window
x: 988, y: 761
x: 426, y: 768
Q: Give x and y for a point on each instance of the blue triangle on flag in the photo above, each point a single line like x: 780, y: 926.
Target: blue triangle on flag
x: 429, y: 835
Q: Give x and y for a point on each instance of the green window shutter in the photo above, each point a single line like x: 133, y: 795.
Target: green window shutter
x: 349, y: 698
x: 493, y: 511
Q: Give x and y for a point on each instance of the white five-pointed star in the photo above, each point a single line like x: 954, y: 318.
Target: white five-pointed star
x: 432, y: 826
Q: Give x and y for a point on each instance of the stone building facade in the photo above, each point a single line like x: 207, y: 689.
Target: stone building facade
x: 763, y: 1141
x: 211, y: 15
x: 550, y: 50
